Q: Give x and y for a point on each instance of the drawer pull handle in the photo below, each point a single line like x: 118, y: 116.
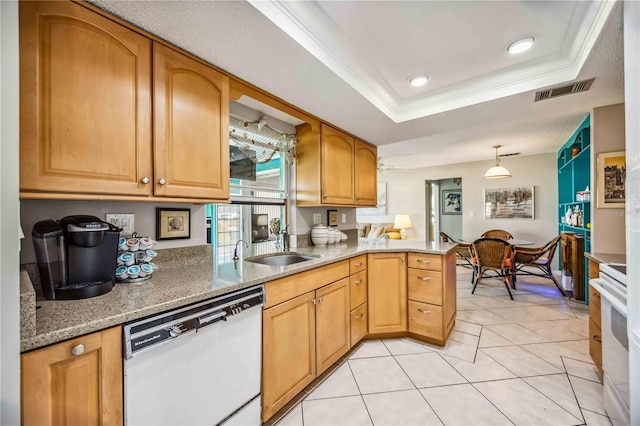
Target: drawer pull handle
x: 424, y: 311
x: 358, y: 264
x: 359, y: 316
x: 358, y: 281
x: 426, y: 262
x: 402, y: 259
x: 425, y: 278
x: 77, y: 350
x: 597, y: 338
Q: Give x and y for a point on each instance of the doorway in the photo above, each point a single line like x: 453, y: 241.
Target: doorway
x: 443, y: 209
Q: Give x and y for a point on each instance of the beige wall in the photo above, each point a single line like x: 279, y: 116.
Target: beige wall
x: 406, y: 194
x: 607, y: 135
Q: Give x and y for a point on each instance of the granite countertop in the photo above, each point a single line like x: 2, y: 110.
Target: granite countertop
x: 187, y: 280
x: 606, y: 257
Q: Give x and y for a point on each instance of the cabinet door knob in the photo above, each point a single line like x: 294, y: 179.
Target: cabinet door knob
x: 423, y: 311
x: 145, y: 180
x: 357, y: 265
x: 358, y: 281
x: 325, y: 196
x: 77, y: 350
x: 359, y: 316
x: 313, y: 301
x: 597, y: 338
x: 320, y: 300
x: 358, y: 199
x: 402, y: 259
x: 425, y: 278
x: 162, y: 181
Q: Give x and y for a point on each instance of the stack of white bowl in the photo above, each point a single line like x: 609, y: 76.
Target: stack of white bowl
x: 320, y: 235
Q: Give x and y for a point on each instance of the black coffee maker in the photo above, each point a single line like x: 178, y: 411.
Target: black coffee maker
x: 76, y: 255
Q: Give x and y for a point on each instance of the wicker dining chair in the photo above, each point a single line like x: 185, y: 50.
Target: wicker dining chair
x: 497, y: 233
x: 493, y: 254
x: 463, y: 252
x: 538, y: 257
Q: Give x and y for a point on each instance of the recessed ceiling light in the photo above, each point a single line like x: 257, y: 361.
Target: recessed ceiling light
x: 520, y: 45
x: 419, y: 80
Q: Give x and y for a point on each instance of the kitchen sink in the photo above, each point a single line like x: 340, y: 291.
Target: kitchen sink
x: 282, y: 259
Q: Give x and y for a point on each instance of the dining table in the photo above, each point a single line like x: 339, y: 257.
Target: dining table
x: 513, y: 241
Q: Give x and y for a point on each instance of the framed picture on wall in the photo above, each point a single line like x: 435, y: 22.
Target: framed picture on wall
x: 509, y: 203
x: 611, y: 173
x: 173, y: 224
x: 451, y: 201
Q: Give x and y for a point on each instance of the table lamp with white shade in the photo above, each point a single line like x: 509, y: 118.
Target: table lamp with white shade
x: 402, y: 223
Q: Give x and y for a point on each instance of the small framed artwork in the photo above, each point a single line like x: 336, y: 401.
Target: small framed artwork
x: 451, y: 201
x: 509, y: 203
x: 611, y: 173
x: 172, y: 224
x: 332, y: 217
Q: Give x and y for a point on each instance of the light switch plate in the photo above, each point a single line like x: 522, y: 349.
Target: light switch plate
x: 344, y: 218
x: 317, y: 218
x: 126, y: 221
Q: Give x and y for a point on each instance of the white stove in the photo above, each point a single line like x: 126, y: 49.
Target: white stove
x: 612, y: 285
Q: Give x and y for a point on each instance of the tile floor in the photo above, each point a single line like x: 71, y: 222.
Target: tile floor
x: 522, y: 362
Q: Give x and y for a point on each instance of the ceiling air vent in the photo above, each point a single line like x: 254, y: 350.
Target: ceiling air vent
x: 577, y: 87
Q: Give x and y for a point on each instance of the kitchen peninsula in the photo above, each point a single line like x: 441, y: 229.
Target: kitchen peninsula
x: 190, y: 277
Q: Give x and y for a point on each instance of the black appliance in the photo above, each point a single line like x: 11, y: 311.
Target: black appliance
x: 76, y: 256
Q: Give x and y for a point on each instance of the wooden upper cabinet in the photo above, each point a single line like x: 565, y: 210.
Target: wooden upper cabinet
x: 337, y: 163
x: 85, y: 102
x: 191, y: 123
x: 366, y: 174
x: 77, y: 382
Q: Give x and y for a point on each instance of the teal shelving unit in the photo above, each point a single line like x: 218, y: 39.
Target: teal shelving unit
x: 574, y: 174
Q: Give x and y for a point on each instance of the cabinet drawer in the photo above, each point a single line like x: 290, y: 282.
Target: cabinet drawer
x: 358, y: 324
x: 425, y: 320
x: 594, y: 306
x: 595, y: 344
x: 425, y: 286
x: 358, y: 289
x: 358, y: 264
x: 425, y: 261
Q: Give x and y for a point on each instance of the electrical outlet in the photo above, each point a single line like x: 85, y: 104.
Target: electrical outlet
x: 126, y: 221
x: 317, y: 218
x: 344, y: 218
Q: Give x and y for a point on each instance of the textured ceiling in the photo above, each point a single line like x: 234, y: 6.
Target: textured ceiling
x: 236, y: 37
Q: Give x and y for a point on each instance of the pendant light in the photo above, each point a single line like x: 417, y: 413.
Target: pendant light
x: 497, y: 171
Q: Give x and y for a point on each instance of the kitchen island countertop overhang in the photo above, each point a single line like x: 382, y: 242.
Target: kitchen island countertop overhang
x: 58, y: 320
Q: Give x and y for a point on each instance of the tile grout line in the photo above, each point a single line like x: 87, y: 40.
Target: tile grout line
x: 561, y: 407
x: 494, y: 406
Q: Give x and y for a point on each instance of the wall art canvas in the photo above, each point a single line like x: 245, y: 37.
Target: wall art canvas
x: 451, y: 201
x: 509, y: 203
x: 611, y: 173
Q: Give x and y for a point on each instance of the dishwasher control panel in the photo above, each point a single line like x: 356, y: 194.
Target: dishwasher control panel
x: 144, y: 334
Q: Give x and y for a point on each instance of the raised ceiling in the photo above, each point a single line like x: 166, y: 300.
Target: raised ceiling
x: 350, y: 61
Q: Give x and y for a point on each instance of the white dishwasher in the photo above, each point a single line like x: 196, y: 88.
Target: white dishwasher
x: 198, y: 365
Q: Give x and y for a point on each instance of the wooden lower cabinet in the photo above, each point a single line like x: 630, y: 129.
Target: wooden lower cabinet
x: 426, y: 320
x: 333, y: 336
x: 76, y: 382
x: 301, y: 338
x: 288, y: 351
x: 432, y: 296
x: 595, y: 326
x: 387, y: 292
x: 358, y: 324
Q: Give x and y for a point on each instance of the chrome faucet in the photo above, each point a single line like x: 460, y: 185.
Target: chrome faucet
x: 235, y: 251
x: 285, y: 238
